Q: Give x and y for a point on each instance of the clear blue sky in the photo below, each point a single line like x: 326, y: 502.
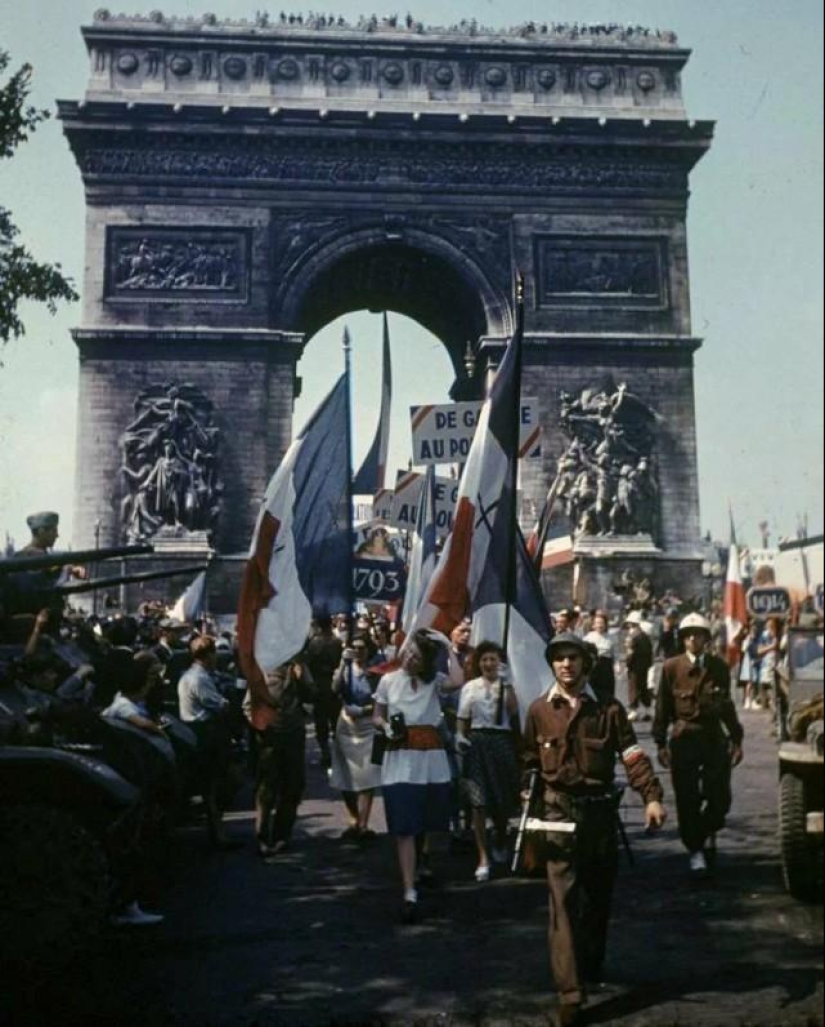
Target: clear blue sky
x: 755, y: 236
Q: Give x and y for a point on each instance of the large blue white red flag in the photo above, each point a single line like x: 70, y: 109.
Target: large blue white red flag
x: 481, y: 503
x: 300, y: 558
x: 735, y: 606
x: 192, y: 603
x: 423, y: 556
x: 371, y: 476
x: 529, y: 627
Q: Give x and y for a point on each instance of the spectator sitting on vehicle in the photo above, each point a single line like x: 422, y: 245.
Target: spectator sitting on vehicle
x: 130, y: 702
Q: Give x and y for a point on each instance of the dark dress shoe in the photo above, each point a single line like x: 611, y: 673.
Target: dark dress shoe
x: 409, y: 913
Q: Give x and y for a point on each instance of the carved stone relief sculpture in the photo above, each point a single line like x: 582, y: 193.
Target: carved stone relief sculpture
x: 169, y: 464
x: 607, y: 481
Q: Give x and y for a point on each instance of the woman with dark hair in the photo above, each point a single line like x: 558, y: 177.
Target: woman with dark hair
x: 415, y: 773
x: 602, y: 676
x: 353, y: 772
x: 487, y: 716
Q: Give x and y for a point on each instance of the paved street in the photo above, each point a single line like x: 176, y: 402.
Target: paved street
x: 315, y: 939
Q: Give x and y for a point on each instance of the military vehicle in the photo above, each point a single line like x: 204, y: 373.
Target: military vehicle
x: 69, y: 825
x: 801, y: 766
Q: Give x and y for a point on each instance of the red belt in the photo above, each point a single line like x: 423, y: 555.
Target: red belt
x: 423, y: 737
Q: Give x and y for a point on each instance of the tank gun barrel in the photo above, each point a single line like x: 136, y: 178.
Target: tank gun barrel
x: 75, y: 588
x: 16, y: 564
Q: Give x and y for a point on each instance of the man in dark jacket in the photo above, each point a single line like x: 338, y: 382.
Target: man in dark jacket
x: 695, y: 708
x: 574, y: 740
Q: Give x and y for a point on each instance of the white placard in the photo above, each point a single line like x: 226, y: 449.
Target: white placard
x: 408, y: 488
x: 444, y: 434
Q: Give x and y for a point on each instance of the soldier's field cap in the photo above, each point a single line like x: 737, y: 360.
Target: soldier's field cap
x: 44, y: 519
x: 569, y: 639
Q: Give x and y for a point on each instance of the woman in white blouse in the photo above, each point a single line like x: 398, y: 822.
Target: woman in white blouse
x: 415, y: 773
x: 487, y: 715
x: 602, y: 674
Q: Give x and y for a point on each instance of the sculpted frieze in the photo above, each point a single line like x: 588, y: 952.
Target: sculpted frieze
x: 192, y: 264
x: 438, y: 166
x: 604, y: 270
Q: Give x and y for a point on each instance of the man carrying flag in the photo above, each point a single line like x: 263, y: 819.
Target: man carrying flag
x: 299, y: 561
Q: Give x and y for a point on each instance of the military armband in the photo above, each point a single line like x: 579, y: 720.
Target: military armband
x: 632, y: 754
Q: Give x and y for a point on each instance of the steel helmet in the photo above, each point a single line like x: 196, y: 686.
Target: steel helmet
x: 569, y: 639
x: 694, y: 622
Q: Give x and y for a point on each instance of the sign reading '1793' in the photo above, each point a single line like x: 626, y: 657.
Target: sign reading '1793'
x: 769, y: 601
x: 444, y: 434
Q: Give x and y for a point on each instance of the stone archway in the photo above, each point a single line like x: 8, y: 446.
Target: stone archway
x: 247, y: 182
x: 405, y: 270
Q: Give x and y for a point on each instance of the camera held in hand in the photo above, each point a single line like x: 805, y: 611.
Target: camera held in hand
x: 398, y: 726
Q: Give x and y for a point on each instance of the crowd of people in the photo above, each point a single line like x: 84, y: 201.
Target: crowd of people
x: 431, y: 722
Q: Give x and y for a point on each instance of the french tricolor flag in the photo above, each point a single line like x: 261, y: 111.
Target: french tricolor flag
x: 472, y: 574
x: 301, y: 553
x: 371, y: 476
x: 735, y: 604
x: 423, y: 556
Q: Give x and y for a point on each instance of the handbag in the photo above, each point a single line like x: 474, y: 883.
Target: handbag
x: 379, y: 747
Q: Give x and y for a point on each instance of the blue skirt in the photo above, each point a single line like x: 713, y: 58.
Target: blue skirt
x: 417, y: 809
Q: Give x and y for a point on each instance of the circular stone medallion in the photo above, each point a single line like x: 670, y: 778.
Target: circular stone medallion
x: 180, y: 65
x: 339, y: 72
x: 288, y: 69
x: 234, y: 67
x: 444, y: 75
x: 496, y: 77
x: 393, y: 73
x: 127, y: 63
x: 646, y: 81
x: 597, y: 79
x: 546, y: 78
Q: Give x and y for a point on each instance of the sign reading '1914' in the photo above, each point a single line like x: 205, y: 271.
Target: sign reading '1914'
x: 769, y: 601
x: 444, y: 434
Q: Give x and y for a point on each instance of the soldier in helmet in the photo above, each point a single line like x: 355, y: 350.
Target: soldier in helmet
x: 574, y: 739
x: 699, y: 737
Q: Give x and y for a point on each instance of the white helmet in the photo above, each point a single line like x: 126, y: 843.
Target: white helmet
x: 694, y: 622
x: 634, y: 617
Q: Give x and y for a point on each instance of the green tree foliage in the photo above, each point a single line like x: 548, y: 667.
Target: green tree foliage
x: 21, y: 276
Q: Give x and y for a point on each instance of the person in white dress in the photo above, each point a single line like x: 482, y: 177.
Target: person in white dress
x: 415, y: 772
x: 353, y: 772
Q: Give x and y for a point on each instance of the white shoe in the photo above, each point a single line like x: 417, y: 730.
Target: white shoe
x: 482, y: 874
x: 698, y: 863
x: 500, y: 856
x: 133, y: 916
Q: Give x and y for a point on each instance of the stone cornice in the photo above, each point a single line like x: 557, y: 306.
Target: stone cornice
x: 89, y: 337
x: 610, y: 70
x: 536, y: 341
x: 408, y: 29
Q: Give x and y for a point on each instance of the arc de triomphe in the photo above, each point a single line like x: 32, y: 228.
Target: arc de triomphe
x: 246, y: 183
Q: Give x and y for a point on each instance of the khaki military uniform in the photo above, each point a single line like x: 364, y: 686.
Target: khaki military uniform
x: 575, y: 750
x: 694, y: 705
